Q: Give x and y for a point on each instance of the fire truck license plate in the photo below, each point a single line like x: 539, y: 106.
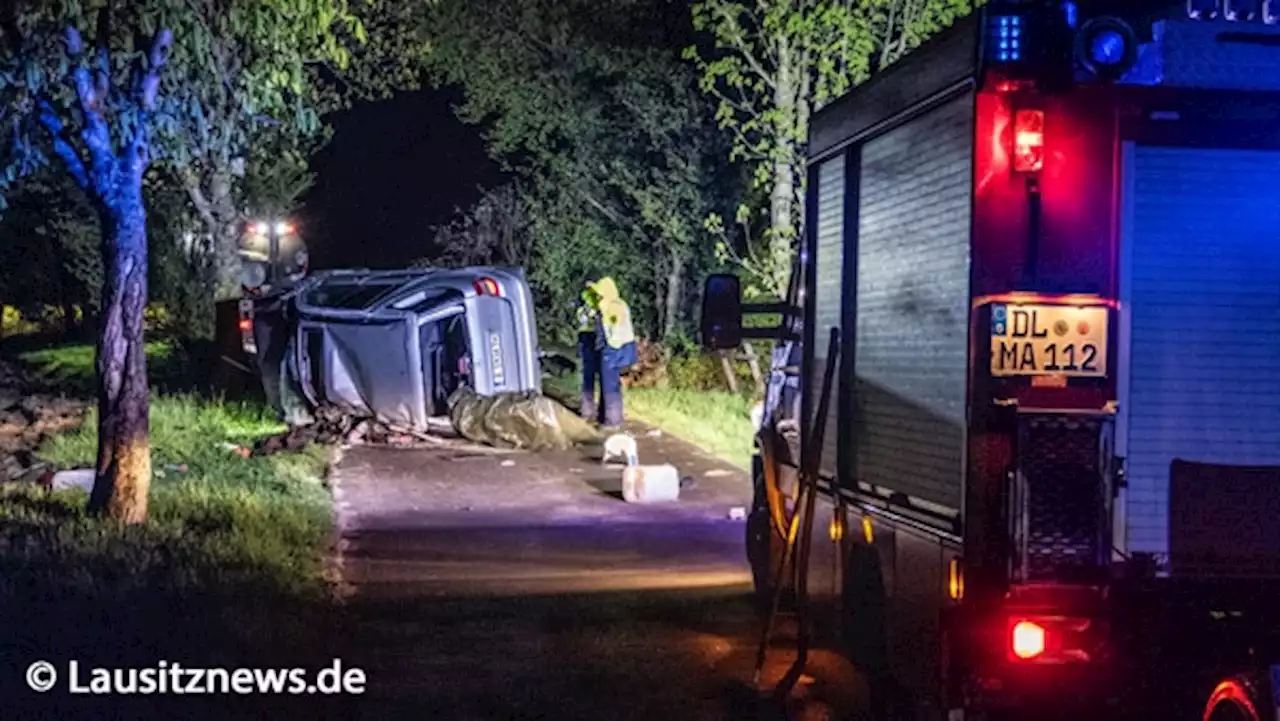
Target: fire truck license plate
x: 1054, y: 340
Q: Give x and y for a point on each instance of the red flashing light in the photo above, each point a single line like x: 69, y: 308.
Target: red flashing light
x: 246, y: 325
x: 1028, y: 147
x: 1027, y: 640
x: 1234, y: 695
x: 487, y: 286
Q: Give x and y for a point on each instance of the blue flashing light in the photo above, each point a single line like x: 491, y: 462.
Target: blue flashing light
x: 1006, y: 38
x: 1107, y: 48
x: 1072, y: 13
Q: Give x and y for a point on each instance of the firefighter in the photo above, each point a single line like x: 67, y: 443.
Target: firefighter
x: 588, y: 322
x: 616, y: 341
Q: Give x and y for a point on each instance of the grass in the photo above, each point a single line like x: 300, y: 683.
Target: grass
x: 229, y: 562
x: 218, y: 523
x: 719, y: 423
x: 70, y: 367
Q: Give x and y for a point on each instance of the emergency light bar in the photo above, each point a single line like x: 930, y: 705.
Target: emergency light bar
x: 1233, y: 10
x: 1005, y: 35
x: 1209, y: 44
x: 1106, y: 47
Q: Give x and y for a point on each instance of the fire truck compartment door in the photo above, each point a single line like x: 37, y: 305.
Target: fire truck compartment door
x: 911, y: 321
x: 1199, y: 370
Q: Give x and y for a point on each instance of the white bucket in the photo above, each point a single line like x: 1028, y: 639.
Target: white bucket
x: 650, y: 484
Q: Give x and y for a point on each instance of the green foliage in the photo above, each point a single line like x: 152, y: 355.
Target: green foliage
x: 278, y: 174
x: 618, y: 153
x: 774, y: 60
x: 242, y: 67
x: 769, y: 66
x: 246, y: 87
x: 182, y: 276
x: 901, y: 25
x: 50, y: 243
x: 570, y: 244
x: 695, y: 372
x: 49, y: 246
x: 495, y: 231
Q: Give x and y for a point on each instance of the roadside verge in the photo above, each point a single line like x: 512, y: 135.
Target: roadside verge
x: 227, y: 571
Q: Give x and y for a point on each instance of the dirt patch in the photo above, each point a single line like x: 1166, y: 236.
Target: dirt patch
x: 29, y: 414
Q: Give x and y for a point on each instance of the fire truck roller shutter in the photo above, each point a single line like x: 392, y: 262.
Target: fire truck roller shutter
x: 911, y: 325
x: 830, y: 288
x: 1200, y: 357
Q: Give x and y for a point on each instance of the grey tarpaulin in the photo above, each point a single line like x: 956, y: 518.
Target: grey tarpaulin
x: 518, y: 420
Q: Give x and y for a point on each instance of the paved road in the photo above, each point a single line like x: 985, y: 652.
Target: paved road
x: 490, y: 585
x: 479, y: 585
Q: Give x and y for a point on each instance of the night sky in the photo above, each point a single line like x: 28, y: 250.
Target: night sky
x: 393, y: 170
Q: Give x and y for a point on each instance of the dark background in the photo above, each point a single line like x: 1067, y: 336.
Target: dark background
x: 393, y: 170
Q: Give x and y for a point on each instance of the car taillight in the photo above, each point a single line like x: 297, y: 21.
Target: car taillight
x: 487, y: 286
x: 1027, y: 640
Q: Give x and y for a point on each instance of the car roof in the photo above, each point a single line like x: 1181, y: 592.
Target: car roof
x: 399, y: 284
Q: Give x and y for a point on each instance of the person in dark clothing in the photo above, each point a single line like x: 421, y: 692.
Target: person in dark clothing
x: 588, y: 323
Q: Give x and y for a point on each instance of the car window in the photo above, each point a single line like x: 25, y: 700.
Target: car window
x: 350, y: 296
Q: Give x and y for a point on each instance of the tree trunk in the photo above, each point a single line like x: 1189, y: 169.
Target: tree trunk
x: 226, y: 244
x: 675, y: 284
x: 730, y: 377
x: 222, y: 224
x: 753, y: 364
x: 782, y: 194
x: 659, y: 316
x: 227, y: 263
x: 124, y: 456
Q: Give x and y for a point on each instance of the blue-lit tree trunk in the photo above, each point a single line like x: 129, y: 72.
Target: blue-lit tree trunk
x: 113, y: 180
x: 124, y: 458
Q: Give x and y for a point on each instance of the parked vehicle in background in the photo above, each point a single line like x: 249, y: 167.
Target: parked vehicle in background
x: 274, y: 258
x: 394, y: 344
x: 1049, y: 241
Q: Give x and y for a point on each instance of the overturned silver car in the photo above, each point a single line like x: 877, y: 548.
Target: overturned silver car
x: 395, y: 344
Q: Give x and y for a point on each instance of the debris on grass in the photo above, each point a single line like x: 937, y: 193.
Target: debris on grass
x: 333, y: 427
x: 28, y: 417
x: 81, y: 478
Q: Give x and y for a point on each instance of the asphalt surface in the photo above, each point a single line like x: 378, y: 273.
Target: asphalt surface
x: 474, y: 585
x: 504, y: 585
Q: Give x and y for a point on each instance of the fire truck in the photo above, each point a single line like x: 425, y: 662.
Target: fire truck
x: 1048, y: 245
